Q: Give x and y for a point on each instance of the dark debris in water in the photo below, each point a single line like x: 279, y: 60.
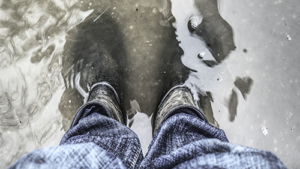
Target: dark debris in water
x: 244, y: 85
x: 210, y: 63
x: 232, y: 107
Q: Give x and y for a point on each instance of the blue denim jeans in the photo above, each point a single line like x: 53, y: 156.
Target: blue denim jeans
x: 182, y: 141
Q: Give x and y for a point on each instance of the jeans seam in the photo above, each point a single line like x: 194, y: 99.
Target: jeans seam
x: 135, y: 156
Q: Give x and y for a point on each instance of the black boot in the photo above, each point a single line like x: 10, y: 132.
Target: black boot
x: 178, y: 99
x: 103, y: 94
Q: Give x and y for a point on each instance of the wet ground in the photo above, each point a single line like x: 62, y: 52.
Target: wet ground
x: 238, y: 57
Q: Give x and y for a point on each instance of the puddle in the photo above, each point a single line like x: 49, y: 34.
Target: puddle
x: 235, y: 56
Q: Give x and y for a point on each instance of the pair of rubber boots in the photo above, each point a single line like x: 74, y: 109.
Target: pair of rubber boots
x: 179, y: 99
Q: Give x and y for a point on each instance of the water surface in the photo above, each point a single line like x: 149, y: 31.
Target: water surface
x: 238, y: 57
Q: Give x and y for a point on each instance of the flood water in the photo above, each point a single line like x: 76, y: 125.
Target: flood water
x: 239, y: 57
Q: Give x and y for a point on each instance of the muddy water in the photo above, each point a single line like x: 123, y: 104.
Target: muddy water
x: 53, y: 51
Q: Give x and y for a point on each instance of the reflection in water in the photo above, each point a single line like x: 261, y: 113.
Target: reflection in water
x: 94, y: 52
x: 214, y: 30
x: 205, y: 103
x: 13, y: 96
x: 139, y: 56
x: 49, y: 44
x: 32, y: 36
x: 218, y: 37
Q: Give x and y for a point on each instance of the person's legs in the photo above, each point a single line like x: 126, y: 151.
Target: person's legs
x: 108, y: 134
x: 184, y: 139
x: 96, y: 139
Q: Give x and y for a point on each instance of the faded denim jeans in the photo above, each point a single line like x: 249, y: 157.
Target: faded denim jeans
x: 182, y: 141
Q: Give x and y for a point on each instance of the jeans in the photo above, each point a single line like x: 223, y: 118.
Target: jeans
x: 182, y: 141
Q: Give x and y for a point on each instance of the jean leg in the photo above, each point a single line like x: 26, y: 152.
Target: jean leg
x: 186, y: 141
x: 97, y: 141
